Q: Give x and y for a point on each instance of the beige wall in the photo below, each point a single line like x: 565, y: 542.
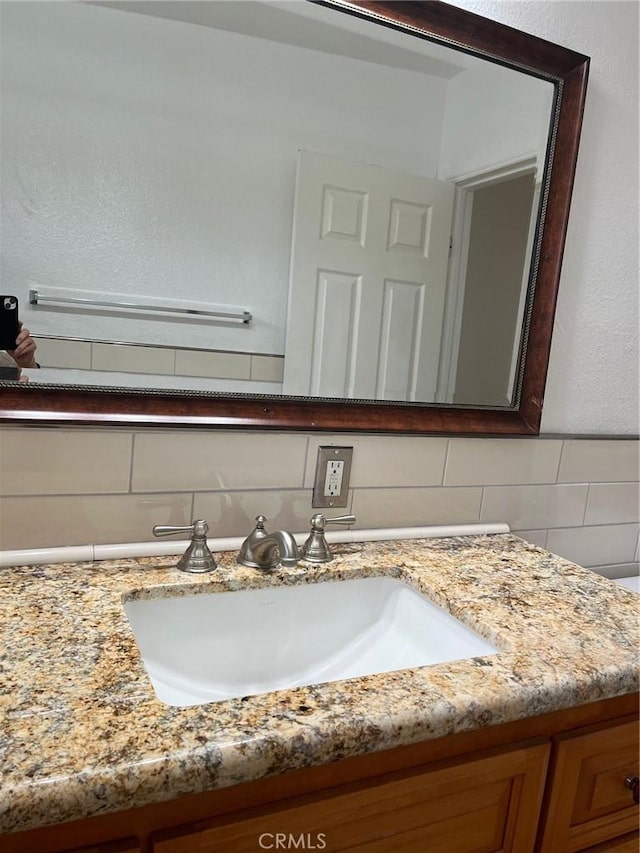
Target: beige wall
x: 76, y: 486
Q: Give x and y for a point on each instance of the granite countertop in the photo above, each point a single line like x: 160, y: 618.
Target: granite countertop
x: 83, y: 733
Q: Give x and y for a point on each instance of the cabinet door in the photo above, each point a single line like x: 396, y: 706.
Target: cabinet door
x: 589, y: 802
x: 475, y: 806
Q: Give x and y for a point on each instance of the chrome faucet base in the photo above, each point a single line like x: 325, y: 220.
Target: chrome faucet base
x: 264, y: 567
x: 316, y: 549
x: 197, y: 559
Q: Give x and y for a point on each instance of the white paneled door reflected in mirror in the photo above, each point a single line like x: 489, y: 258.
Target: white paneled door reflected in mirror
x: 257, y: 198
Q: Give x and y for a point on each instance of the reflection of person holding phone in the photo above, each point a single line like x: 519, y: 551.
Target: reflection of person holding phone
x: 17, y: 347
x: 24, y: 354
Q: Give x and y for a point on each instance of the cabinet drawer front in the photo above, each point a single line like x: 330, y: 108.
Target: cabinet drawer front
x: 589, y: 801
x: 483, y: 805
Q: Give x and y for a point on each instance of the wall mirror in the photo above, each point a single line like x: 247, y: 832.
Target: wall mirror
x: 289, y: 214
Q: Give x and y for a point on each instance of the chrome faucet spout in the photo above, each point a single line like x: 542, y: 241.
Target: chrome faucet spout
x: 278, y: 547
x: 262, y: 550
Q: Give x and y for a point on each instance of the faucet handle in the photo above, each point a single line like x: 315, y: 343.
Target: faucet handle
x: 197, y: 559
x: 316, y: 549
x: 319, y: 520
x: 196, y: 528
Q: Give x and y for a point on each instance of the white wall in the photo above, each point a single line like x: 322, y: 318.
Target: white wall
x: 140, y: 157
x: 493, y: 116
x: 594, y: 369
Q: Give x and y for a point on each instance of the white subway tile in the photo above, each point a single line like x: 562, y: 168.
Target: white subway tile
x: 413, y: 506
x: 132, y: 359
x: 221, y: 365
x: 211, y: 461
x: 384, y: 461
x: 595, y: 546
x: 66, y: 354
x: 536, y: 537
x: 599, y: 460
x: 618, y: 570
x: 501, y: 461
x: 267, y: 368
x: 45, y: 462
x: 534, y: 507
x: 234, y: 513
x: 613, y: 503
x: 88, y: 519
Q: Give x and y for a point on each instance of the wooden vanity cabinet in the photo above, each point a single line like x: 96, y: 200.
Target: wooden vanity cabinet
x: 588, y: 800
x: 486, y: 804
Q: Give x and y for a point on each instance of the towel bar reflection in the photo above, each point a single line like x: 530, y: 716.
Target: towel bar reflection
x: 38, y: 298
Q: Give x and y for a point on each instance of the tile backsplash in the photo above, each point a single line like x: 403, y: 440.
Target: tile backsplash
x: 577, y: 497
x: 166, y: 361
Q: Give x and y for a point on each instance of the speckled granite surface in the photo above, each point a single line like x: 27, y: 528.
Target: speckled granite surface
x: 82, y: 733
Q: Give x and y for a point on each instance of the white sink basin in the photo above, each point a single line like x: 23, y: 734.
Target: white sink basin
x: 214, y: 646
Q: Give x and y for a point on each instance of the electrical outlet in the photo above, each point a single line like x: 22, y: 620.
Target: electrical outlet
x: 333, y: 468
x: 333, y: 478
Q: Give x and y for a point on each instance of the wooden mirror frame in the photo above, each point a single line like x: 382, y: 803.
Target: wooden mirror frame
x: 568, y: 71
